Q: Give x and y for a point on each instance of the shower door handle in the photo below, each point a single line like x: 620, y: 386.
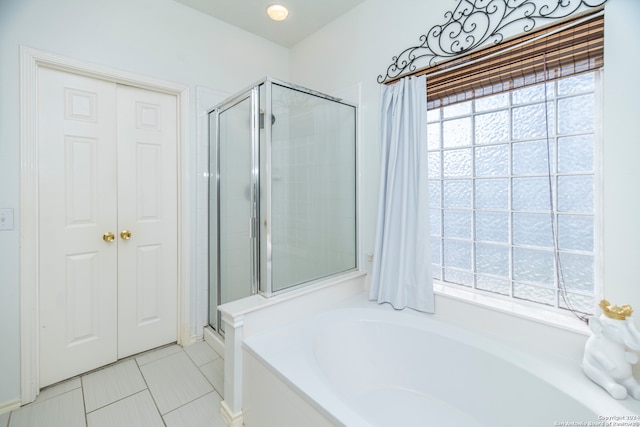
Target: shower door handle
x: 252, y: 228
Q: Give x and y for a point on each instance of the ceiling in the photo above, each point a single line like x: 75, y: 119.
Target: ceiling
x: 305, y: 16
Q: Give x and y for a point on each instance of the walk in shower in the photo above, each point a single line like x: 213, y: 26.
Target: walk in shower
x: 282, y: 198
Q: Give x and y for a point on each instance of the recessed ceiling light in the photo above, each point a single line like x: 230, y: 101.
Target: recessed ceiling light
x: 277, y: 12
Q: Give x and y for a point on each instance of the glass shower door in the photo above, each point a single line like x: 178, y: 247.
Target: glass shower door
x: 233, y: 208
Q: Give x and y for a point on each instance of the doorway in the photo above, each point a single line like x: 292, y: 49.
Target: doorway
x: 107, y: 220
x: 33, y: 63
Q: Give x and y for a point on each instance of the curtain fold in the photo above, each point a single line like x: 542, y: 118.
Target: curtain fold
x: 402, y: 255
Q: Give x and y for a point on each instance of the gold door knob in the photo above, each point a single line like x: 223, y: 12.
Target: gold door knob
x: 125, y: 234
x: 108, y: 237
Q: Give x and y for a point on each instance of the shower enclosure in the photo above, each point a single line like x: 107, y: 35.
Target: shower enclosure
x: 282, y: 199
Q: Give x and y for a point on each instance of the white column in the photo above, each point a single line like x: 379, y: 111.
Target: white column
x: 231, y: 406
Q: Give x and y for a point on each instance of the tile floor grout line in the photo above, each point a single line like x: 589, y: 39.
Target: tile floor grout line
x: 59, y: 383
x: 148, y: 352
x: 84, y: 403
x: 153, y: 399
x: 209, y: 381
x: 118, y: 400
x: 191, y: 401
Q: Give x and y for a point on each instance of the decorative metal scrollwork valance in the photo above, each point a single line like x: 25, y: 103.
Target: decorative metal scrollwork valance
x: 475, y: 23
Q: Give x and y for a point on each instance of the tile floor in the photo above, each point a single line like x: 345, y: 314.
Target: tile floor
x: 167, y: 387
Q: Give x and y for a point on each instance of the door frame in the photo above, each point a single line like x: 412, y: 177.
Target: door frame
x: 30, y: 61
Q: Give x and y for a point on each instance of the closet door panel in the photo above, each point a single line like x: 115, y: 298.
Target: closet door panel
x: 77, y: 206
x: 147, y: 220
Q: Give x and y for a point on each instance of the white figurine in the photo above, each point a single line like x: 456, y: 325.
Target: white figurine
x: 607, y: 361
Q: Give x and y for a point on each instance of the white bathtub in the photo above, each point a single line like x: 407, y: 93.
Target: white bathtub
x: 368, y: 365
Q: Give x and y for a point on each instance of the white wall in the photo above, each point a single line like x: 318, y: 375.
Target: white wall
x: 156, y: 38
x: 622, y: 153
x: 359, y: 46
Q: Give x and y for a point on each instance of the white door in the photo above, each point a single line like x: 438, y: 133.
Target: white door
x: 107, y: 164
x: 147, y: 209
x: 77, y: 204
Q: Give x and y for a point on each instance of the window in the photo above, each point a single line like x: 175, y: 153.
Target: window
x: 512, y: 185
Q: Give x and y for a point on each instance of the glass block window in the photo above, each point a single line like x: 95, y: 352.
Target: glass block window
x: 512, y: 192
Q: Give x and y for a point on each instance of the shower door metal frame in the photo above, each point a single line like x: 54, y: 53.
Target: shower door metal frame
x: 265, y: 287
x: 253, y: 95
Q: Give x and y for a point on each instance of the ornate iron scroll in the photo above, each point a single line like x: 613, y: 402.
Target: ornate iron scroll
x: 477, y: 22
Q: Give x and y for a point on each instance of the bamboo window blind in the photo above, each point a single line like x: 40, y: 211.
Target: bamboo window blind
x: 552, y: 53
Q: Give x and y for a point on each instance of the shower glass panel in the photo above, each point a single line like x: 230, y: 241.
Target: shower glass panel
x: 282, y: 197
x: 313, y: 191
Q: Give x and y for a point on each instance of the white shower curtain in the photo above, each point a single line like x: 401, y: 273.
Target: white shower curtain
x: 402, y: 258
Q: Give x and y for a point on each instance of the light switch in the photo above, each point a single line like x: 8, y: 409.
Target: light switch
x: 6, y: 219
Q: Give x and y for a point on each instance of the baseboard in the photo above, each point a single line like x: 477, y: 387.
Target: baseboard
x: 9, y: 406
x: 232, y: 420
